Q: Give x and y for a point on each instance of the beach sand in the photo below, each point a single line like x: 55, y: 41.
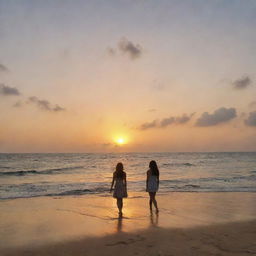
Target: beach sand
x: 187, y: 224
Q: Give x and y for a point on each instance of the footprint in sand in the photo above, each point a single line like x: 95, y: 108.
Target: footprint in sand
x: 130, y: 241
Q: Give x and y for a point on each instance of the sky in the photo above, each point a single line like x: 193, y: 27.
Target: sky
x: 127, y: 76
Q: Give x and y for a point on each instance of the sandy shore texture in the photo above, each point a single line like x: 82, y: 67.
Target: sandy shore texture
x: 187, y: 224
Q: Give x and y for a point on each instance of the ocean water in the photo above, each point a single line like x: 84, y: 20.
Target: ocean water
x: 31, y: 175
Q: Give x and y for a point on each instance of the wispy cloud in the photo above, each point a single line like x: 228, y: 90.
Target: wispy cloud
x: 8, y: 91
x: 251, y: 120
x: 242, y: 83
x: 41, y: 104
x: 44, y: 104
x: 148, y: 125
x: 166, y: 122
x: 220, y: 115
x: 126, y: 47
x: 58, y: 108
x: 130, y: 48
x: 3, y: 68
x: 183, y: 119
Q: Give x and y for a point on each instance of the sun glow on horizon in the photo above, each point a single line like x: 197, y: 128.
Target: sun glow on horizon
x: 121, y: 140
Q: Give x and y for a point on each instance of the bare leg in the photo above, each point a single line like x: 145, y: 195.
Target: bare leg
x: 150, y: 201
x: 119, y: 202
x: 153, y: 200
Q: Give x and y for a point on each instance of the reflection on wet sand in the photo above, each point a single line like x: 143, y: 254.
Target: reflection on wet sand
x: 154, y: 219
x: 48, y: 220
x: 119, y: 224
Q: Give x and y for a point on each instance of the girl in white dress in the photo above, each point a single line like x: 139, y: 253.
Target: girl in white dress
x: 152, y: 184
x: 120, y: 188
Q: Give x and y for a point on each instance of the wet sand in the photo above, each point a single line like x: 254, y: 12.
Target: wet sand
x: 187, y: 224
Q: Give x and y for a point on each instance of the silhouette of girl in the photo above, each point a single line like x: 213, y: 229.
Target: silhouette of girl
x: 152, y: 184
x: 120, y: 188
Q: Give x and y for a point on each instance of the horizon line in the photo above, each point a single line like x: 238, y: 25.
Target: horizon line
x: 130, y: 152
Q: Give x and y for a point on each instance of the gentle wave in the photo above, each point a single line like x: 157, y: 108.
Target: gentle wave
x: 47, y: 171
x: 79, y: 192
x: 177, y: 164
x: 212, y: 179
x: 32, y: 175
x: 5, y: 167
x: 105, y: 192
x: 26, y: 190
x: 18, y: 173
x: 72, y: 192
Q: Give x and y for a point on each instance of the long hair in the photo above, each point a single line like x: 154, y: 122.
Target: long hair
x: 153, y: 167
x: 119, y: 170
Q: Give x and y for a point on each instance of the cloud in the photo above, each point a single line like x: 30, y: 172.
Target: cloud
x: 124, y: 46
x: 44, y: 104
x: 9, y: 91
x: 175, y: 120
x: 148, y: 125
x: 183, y: 119
x: 220, y: 115
x: 3, y: 68
x: 166, y: 122
x: 251, y: 120
x: 58, y: 108
x: 242, y: 83
x: 128, y: 47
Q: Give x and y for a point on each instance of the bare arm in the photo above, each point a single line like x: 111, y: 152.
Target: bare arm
x: 112, y: 184
x: 125, y: 182
x: 147, y: 179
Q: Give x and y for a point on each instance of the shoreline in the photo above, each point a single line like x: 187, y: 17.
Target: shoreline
x: 37, y: 225
x: 129, y: 197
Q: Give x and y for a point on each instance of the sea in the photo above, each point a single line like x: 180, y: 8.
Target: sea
x: 65, y: 174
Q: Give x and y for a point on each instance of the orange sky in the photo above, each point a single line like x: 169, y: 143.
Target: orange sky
x: 79, y: 78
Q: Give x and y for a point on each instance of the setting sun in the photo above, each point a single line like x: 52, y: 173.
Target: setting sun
x: 120, y: 140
